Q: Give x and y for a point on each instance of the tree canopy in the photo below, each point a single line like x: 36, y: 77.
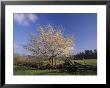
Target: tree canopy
x: 50, y: 42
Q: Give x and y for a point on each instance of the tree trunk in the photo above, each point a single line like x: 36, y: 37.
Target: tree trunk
x: 55, y: 62
x: 49, y: 61
x: 52, y: 61
x: 39, y: 63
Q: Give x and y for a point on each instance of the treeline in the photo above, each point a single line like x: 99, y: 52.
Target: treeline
x: 87, y: 54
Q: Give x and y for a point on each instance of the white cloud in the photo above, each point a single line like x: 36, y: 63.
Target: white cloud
x: 25, y: 18
x: 32, y: 17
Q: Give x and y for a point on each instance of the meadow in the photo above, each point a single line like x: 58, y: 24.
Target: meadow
x: 24, y: 70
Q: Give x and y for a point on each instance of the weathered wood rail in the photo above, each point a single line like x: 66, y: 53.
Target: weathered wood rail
x: 85, y: 67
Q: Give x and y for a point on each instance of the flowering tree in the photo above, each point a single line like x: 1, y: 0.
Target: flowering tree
x: 50, y: 43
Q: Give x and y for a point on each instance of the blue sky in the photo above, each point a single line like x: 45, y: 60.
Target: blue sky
x: 83, y: 26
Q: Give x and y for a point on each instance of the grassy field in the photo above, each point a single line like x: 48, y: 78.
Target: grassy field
x: 22, y: 70
x: 83, y: 62
x: 18, y: 70
x: 88, y: 62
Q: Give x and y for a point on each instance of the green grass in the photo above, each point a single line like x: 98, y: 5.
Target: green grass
x: 88, y: 62
x: 21, y: 70
x: 83, y: 62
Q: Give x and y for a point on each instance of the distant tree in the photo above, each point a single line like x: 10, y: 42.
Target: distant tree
x: 87, y: 54
x: 50, y: 43
x: 95, y: 53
